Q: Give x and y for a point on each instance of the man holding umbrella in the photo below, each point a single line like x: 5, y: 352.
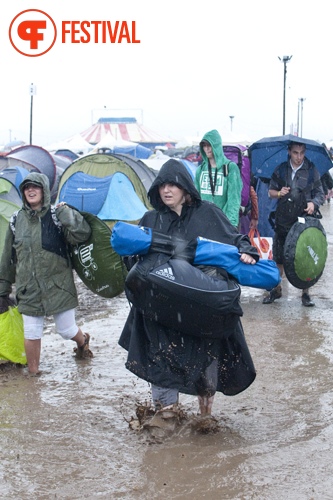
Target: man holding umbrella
x: 296, y: 179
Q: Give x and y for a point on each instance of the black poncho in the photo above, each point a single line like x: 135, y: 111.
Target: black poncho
x: 162, y: 356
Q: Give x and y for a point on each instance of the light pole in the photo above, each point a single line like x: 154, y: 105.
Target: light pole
x: 300, y: 111
x: 32, y: 93
x: 285, y: 60
x: 231, y: 118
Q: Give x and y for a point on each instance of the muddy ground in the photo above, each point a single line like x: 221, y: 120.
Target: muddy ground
x: 66, y: 434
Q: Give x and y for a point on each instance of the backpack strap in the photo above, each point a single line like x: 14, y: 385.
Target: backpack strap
x: 55, y: 218
x: 226, y: 169
x: 281, y: 179
x: 13, y: 218
x: 12, y: 221
x: 283, y: 174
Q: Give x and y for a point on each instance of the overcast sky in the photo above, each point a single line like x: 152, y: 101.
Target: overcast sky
x: 198, y: 63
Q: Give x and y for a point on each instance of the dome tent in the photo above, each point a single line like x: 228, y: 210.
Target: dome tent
x: 107, y: 186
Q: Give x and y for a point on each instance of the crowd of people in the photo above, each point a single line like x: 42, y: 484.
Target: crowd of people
x: 35, y: 259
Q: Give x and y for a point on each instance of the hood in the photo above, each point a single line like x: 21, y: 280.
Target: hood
x: 215, y: 140
x: 172, y: 171
x: 41, y: 180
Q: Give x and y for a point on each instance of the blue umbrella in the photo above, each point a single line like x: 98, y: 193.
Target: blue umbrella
x: 269, y: 152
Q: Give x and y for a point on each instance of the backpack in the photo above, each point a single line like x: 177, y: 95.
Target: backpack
x: 237, y: 155
x: 290, y: 206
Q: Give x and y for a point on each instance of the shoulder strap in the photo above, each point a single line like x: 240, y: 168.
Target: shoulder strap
x: 281, y: 179
x: 283, y: 171
x: 226, y: 169
x: 55, y: 218
x: 12, y: 221
x: 13, y: 218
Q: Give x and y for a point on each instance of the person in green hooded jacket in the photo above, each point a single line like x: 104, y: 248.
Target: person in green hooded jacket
x: 36, y: 259
x: 218, y: 179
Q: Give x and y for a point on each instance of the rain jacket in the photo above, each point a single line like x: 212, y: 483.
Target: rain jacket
x: 226, y: 177
x: 35, y: 255
x: 282, y: 176
x: 162, y: 356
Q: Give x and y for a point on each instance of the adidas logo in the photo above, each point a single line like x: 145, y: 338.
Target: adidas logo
x: 166, y: 273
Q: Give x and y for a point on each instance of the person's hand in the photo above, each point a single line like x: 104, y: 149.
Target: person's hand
x: 310, y: 208
x: 285, y: 190
x: 247, y: 259
x: 61, y: 204
x: 5, y: 303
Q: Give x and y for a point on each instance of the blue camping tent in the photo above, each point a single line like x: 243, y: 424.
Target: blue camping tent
x: 106, y: 186
x: 15, y: 175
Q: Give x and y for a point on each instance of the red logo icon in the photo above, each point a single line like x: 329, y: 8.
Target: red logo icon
x: 32, y: 33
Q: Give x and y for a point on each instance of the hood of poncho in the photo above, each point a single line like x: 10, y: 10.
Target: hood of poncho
x: 172, y: 172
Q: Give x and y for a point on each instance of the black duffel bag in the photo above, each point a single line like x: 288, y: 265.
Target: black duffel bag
x: 183, y: 297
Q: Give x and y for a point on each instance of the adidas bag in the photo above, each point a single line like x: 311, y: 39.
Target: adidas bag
x: 305, y: 252
x: 180, y: 296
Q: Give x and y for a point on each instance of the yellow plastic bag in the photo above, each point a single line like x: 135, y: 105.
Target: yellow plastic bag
x: 11, y: 336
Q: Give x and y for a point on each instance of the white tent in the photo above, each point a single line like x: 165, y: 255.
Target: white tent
x: 75, y: 143
x: 109, y: 141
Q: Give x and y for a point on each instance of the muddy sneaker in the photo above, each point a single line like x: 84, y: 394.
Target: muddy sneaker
x: 168, y: 418
x: 83, y: 351
x: 144, y: 412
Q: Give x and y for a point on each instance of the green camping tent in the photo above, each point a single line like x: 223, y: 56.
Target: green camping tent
x: 10, y: 201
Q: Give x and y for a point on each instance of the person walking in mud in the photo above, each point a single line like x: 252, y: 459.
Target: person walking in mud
x: 294, y: 176
x: 35, y: 258
x: 218, y: 179
x: 172, y: 362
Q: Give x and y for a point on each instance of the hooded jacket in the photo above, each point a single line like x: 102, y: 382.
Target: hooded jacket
x: 35, y: 255
x: 225, y: 180
x: 161, y: 355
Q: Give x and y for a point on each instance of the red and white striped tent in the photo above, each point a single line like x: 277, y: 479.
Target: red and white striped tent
x: 127, y: 129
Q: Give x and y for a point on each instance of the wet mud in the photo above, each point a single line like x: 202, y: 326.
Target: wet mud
x: 69, y: 434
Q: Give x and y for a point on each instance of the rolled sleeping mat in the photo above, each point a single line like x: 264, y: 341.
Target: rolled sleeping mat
x: 127, y: 239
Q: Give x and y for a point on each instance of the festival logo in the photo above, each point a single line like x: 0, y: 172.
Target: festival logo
x: 33, y: 32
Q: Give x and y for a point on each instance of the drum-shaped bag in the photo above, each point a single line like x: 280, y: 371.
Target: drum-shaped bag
x: 305, y: 252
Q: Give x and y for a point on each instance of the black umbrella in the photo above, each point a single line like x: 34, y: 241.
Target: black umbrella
x: 269, y: 152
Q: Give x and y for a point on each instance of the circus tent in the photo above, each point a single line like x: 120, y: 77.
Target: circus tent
x: 127, y: 129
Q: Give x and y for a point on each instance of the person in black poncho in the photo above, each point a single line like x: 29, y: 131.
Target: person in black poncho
x: 175, y: 363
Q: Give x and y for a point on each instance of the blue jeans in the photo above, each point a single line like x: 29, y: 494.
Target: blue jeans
x: 163, y: 396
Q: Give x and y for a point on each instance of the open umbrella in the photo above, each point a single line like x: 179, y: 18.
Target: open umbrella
x: 269, y: 152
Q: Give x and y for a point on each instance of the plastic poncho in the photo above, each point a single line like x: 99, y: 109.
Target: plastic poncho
x: 161, y: 355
